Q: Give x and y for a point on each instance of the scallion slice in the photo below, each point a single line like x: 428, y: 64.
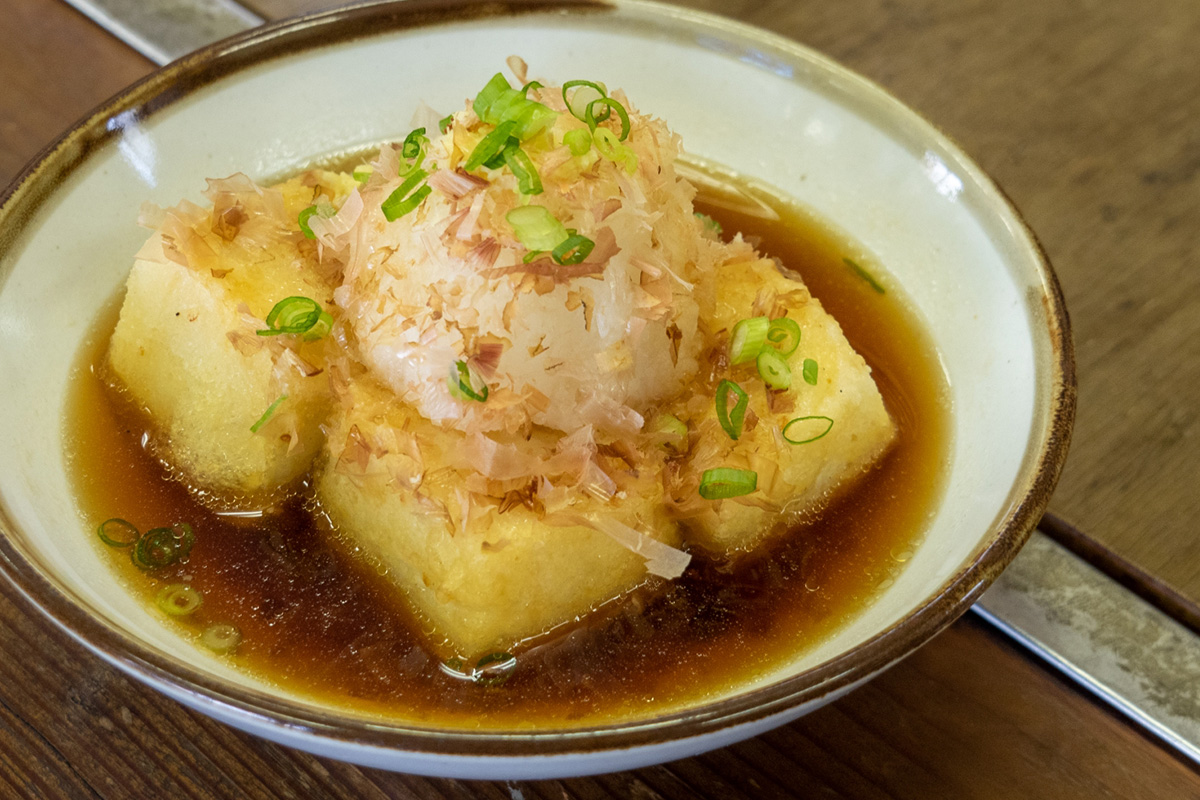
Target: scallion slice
x: 323, y: 326
x: 221, y: 638
x: 807, y: 429
x: 161, y: 547
x: 862, y: 273
x: 321, y: 209
x: 489, y: 94
x: 414, y: 144
x: 292, y: 315
x: 722, y: 482
x: 178, y: 599
x: 527, y: 88
x: 528, y: 180
x: 490, y: 146
x: 784, y: 333
x: 494, y: 669
x: 361, y: 174
x: 608, y: 146
x: 117, y: 532
x: 579, y: 100
x: 578, y: 141
x: 731, y: 419
x: 573, y: 250
x: 607, y: 102
x: 270, y: 412
x: 400, y: 202
x: 748, y: 338
x: 464, y: 383
x: 445, y: 122
x: 673, y: 431
x: 773, y: 369
x: 809, y: 372
x: 536, y: 228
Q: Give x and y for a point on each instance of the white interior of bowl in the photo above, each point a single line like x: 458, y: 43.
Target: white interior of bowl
x: 822, y: 136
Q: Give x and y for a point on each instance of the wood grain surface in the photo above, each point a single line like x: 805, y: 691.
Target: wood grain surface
x: 1088, y: 113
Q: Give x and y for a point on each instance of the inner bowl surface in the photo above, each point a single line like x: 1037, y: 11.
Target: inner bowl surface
x: 268, y: 102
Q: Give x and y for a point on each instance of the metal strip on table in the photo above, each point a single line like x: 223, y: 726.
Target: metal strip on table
x: 1099, y: 634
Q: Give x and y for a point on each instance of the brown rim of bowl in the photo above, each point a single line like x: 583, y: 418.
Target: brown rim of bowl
x: 1027, y: 500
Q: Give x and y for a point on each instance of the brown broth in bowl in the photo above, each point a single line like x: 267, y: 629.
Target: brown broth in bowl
x: 319, y: 620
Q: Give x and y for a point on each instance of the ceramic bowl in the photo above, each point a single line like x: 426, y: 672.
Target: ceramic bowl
x: 269, y: 101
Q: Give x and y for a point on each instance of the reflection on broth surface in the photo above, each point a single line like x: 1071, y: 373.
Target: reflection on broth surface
x: 318, y: 618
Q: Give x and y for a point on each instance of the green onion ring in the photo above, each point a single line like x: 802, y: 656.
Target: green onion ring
x: 490, y: 146
x: 162, y: 547
x: 292, y: 315
x: 414, y: 144
x: 463, y: 385
x: 445, y: 122
x: 862, y: 273
x: 270, y: 412
x: 117, y: 532
x: 810, y: 372
x: 361, y: 174
x: 303, y: 218
x: 400, y: 202
x: 489, y: 94
x: 722, y: 482
x: 774, y: 370
x: 790, y: 440
x: 747, y: 339
x: 536, y: 228
x: 784, y: 333
x: 178, y: 599
x: 578, y: 141
x: 731, y: 421
x: 494, y: 669
x: 221, y: 638
x: 527, y: 88
x: 592, y: 121
x: 578, y: 111
x: 528, y: 180
x: 573, y: 250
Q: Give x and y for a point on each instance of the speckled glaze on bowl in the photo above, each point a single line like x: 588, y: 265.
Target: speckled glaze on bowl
x: 269, y: 101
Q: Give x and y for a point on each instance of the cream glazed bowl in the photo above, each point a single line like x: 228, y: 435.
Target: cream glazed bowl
x: 271, y: 100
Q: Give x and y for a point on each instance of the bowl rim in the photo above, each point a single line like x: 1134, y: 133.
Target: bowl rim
x: 1039, y: 472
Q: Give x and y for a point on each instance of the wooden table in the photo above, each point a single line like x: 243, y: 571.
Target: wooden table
x: 1089, y: 115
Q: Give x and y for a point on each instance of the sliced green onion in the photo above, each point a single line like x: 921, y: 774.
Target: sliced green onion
x: 811, y: 428
x: 592, y: 121
x: 489, y: 94
x: 292, y: 315
x: 748, y: 338
x: 161, y: 547
x: 323, y: 326
x: 178, y: 599
x: 445, y: 122
x: 731, y: 420
x: 414, y: 144
x: 579, y: 100
x: 608, y: 146
x: 494, y: 669
x: 221, y: 638
x: 722, y: 482
x: 490, y: 146
x: 784, y: 333
x: 532, y: 118
x: 400, y: 202
x: 270, y: 412
x: 531, y: 255
x: 710, y: 224
x: 362, y: 174
x: 531, y: 86
x: 773, y: 369
x: 465, y: 384
x: 573, y: 250
x: 321, y: 209
x: 672, y: 429
x: 862, y: 273
x: 536, y: 228
x: 579, y: 141
x: 117, y: 532
x: 528, y: 180
x: 810, y: 372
